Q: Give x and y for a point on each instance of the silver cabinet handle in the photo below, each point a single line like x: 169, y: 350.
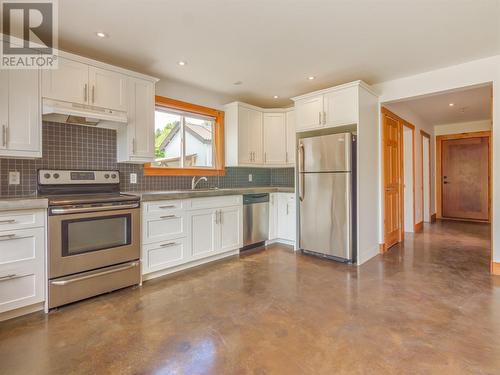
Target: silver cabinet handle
x: 287, y: 208
x: 220, y: 216
x: 319, y: 117
x: 85, y: 92
x: 216, y: 217
x: 169, y: 244
x: 8, y: 221
x: 133, y: 145
x: 81, y: 278
x: 7, y: 237
x: 324, y: 118
x: 167, y: 216
x: 9, y: 277
x: 168, y: 206
x: 265, y: 157
x: 93, y: 94
x: 286, y: 156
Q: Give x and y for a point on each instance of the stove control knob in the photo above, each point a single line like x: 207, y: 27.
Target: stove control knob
x: 46, y: 175
x: 113, y: 175
x: 56, y: 175
x: 106, y: 175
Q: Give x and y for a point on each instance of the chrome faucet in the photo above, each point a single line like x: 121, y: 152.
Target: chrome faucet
x: 195, y: 181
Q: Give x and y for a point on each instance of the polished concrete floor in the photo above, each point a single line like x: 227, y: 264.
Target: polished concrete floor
x: 428, y: 307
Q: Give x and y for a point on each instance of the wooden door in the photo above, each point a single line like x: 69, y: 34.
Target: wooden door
x: 392, y: 141
x: 274, y: 138
x: 465, y: 169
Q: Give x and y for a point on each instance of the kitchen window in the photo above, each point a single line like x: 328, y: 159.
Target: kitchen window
x: 189, y: 140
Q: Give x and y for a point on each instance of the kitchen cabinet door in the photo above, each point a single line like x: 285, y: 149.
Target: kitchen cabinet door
x: 273, y: 216
x: 244, y: 133
x: 286, y: 217
x: 341, y: 107
x: 255, y: 136
x: 20, y: 117
x: 204, y: 233
x: 69, y: 82
x: 309, y: 113
x: 107, y: 89
x: 274, y: 138
x: 231, y: 227
x: 290, y: 137
x: 141, y: 119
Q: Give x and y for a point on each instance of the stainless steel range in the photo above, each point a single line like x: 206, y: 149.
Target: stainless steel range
x: 93, y: 234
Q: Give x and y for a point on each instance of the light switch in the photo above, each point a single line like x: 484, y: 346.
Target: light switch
x: 133, y: 178
x: 250, y: 177
x: 14, y: 178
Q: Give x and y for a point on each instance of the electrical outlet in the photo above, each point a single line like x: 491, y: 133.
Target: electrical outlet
x: 14, y: 178
x: 250, y: 177
x: 133, y: 178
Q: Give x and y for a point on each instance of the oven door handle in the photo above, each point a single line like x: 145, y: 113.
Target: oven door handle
x: 81, y: 278
x: 76, y: 210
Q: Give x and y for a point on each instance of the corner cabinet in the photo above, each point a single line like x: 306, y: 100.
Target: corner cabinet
x: 258, y: 137
x: 20, y: 114
x: 136, y: 139
x: 282, y: 218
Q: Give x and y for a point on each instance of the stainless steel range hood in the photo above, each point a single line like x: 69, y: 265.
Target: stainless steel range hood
x: 80, y: 114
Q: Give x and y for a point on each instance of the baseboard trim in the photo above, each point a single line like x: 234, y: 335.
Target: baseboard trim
x: 381, y: 248
x: 193, y: 264
x: 419, y: 227
x: 21, y: 311
x: 281, y: 241
x: 433, y: 218
x: 495, y: 268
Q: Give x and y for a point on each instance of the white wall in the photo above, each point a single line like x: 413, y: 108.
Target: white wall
x: 473, y: 73
x: 408, y: 178
x: 191, y: 94
x: 403, y: 111
x: 462, y: 127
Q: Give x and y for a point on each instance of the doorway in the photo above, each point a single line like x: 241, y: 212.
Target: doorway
x: 463, y: 176
x: 408, y: 177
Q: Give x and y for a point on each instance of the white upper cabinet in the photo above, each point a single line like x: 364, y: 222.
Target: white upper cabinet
x: 77, y: 82
x: 337, y: 106
x: 341, y: 107
x: 20, y: 114
x: 69, y: 82
x: 309, y: 113
x: 136, y: 139
x: 290, y: 137
x: 260, y: 137
x: 108, y: 89
x: 275, y: 141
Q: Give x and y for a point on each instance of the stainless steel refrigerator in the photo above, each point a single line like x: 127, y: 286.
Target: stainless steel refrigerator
x: 327, y: 191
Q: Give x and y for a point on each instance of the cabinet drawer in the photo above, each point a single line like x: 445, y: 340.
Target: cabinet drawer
x: 216, y: 202
x: 159, y: 256
x: 21, y: 286
x: 21, y: 245
x: 162, y: 207
x: 164, y: 227
x: 10, y: 220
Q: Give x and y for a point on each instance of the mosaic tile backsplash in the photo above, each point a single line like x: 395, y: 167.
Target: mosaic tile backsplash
x: 83, y: 147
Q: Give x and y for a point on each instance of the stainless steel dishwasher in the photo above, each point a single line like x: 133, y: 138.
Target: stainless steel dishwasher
x: 255, y: 219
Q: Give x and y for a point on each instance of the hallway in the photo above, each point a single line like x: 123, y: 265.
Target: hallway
x: 428, y: 307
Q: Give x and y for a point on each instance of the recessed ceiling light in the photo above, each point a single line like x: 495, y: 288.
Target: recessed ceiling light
x: 181, y: 63
x: 451, y: 104
x: 310, y: 78
x: 237, y: 83
x: 101, y: 34
x: 275, y: 96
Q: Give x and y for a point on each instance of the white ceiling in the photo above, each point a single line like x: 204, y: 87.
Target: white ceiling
x: 272, y: 46
x: 471, y: 104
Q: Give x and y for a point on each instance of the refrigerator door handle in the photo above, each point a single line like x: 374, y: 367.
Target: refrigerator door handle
x: 301, y: 169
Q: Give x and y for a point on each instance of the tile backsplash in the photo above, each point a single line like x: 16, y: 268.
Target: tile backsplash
x: 83, y: 147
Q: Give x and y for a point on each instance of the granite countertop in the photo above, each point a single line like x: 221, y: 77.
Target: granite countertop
x: 198, y: 193
x: 30, y: 202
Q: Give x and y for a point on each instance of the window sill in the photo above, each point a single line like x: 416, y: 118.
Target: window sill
x: 158, y: 171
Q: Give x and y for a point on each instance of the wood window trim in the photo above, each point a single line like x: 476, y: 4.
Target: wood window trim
x: 219, y: 169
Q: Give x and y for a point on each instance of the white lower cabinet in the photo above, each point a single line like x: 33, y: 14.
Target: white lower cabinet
x: 178, y: 234
x: 22, y: 259
x: 282, y: 217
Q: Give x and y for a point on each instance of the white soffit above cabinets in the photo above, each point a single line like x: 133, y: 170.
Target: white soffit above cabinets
x: 272, y: 47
